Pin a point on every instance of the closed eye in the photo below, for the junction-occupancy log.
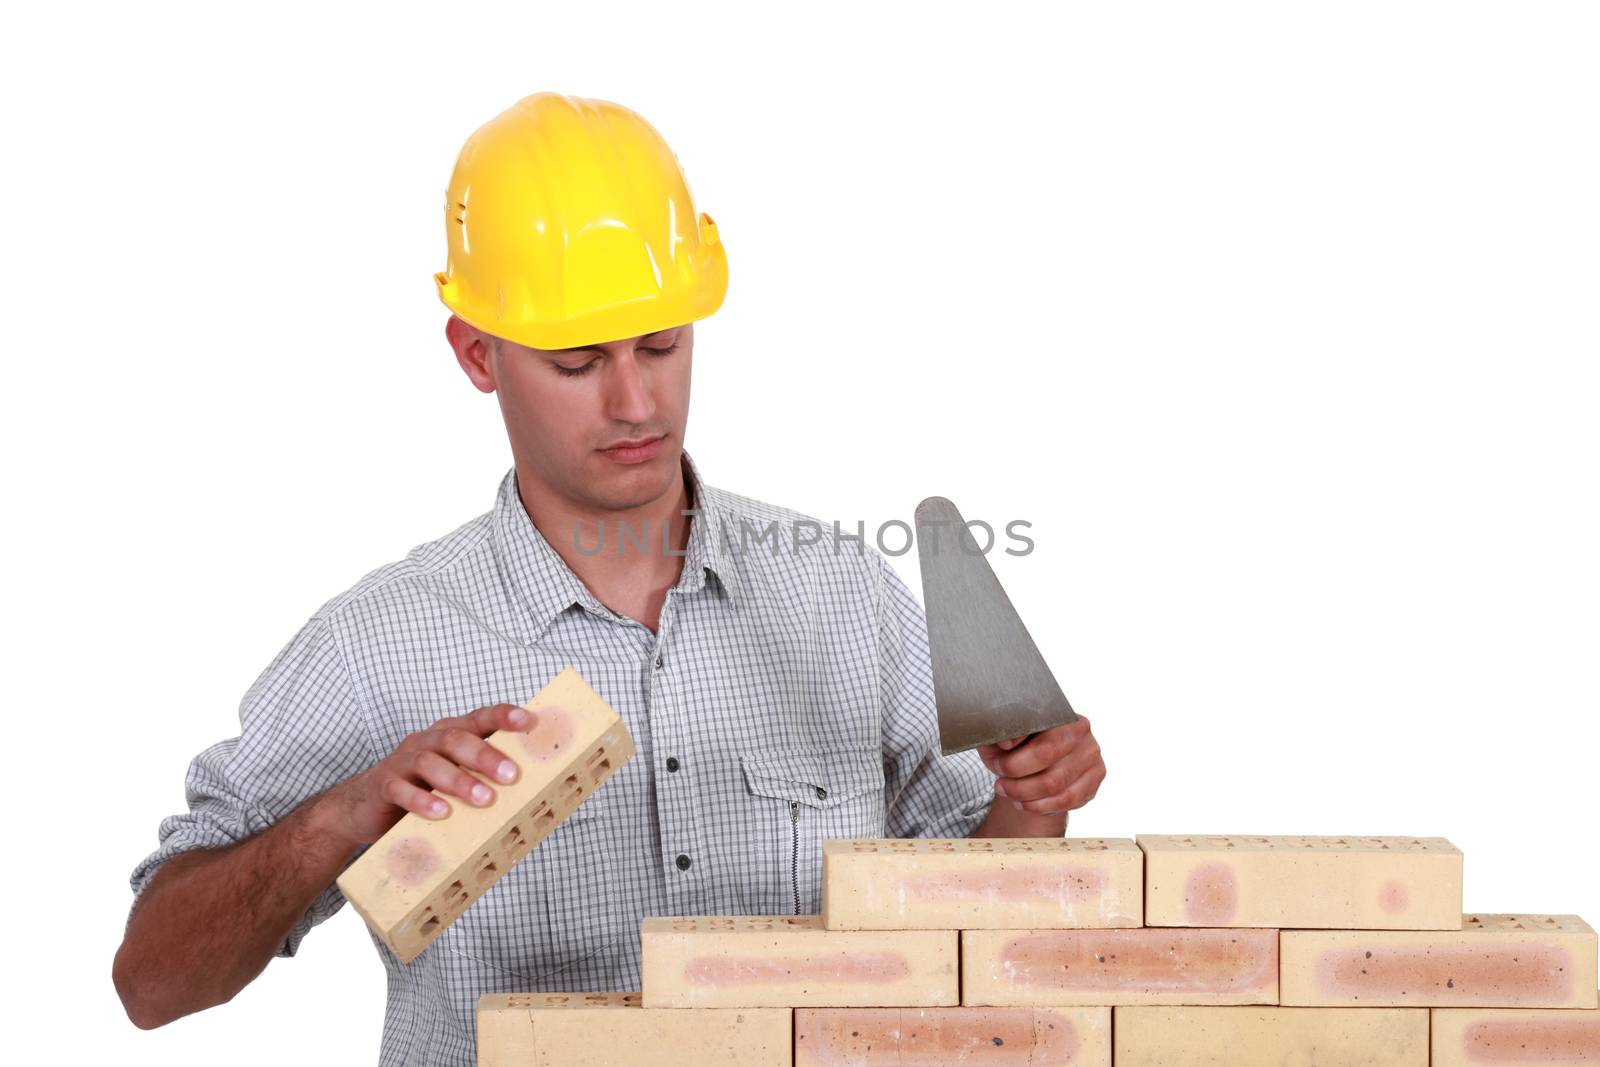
(576, 372)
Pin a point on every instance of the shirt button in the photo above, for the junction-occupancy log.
(822, 794)
(658, 662)
(683, 862)
(672, 763)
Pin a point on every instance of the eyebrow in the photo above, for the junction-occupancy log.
(596, 348)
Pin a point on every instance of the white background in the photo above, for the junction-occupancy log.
(1279, 323)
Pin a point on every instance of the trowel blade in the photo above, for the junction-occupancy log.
(989, 681)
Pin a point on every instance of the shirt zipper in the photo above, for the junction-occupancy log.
(794, 862)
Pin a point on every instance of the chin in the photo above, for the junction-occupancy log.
(644, 480)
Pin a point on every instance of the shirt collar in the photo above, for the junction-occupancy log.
(548, 586)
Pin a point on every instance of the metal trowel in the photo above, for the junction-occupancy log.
(989, 681)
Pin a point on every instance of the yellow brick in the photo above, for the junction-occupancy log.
(613, 1030)
(747, 961)
(1493, 961)
(1515, 1037)
(925, 1037)
(420, 876)
(1145, 966)
(982, 883)
(1270, 1037)
(1341, 883)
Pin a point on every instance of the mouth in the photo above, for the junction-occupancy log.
(635, 451)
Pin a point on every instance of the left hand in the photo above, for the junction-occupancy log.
(1050, 772)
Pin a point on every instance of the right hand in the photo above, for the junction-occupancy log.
(363, 808)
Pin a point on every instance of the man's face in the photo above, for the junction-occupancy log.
(567, 410)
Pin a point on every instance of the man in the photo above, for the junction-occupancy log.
(779, 693)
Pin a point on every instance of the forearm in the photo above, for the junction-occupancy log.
(210, 921)
(1004, 820)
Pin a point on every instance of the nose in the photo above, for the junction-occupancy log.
(627, 391)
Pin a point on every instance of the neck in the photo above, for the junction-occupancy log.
(641, 554)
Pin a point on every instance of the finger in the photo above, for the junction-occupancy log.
(1054, 778)
(1047, 783)
(440, 773)
(990, 754)
(486, 721)
(1079, 793)
(1082, 791)
(468, 750)
(1039, 752)
(1045, 748)
(402, 794)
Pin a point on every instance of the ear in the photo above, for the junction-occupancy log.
(473, 349)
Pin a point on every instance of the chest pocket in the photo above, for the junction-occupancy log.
(802, 797)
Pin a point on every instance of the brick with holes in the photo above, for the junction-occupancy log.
(982, 883)
(1341, 883)
(995, 1037)
(1139, 966)
(1493, 961)
(1270, 1037)
(757, 961)
(614, 1030)
(1515, 1037)
(424, 873)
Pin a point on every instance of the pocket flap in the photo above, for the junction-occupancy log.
(814, 777)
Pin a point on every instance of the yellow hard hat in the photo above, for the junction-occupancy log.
(570, 223)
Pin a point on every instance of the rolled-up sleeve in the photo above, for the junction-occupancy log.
(928, 793)
(301, 730)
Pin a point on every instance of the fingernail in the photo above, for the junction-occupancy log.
(1000, 787)
(518, 717)
(480, 793)
(1017, 804)
(438, 807)
(506, 771)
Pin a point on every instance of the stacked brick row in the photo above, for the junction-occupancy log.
(1171, 951)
